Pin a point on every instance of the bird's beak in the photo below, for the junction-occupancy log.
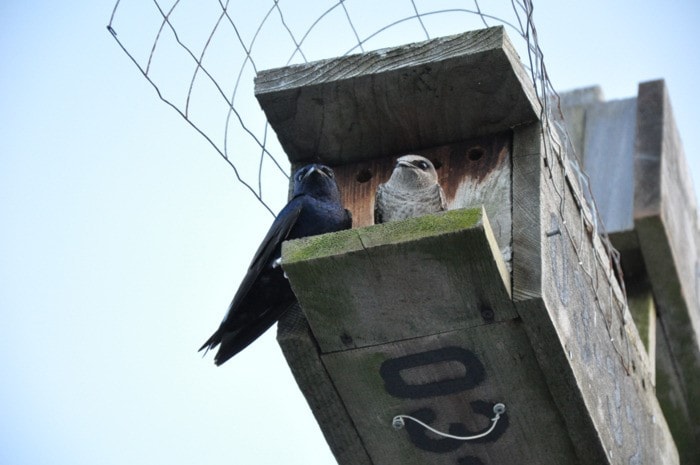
(404, 163)
(311, 170)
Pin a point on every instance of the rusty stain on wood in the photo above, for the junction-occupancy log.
(473, 172)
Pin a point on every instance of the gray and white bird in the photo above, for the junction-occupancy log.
(412, 190)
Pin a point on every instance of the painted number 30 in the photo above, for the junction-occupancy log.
(473, 375)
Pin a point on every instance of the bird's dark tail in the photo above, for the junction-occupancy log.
(211, 343)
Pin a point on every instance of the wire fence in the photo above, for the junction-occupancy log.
(201, 58)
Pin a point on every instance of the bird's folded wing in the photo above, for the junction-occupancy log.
(265, 254)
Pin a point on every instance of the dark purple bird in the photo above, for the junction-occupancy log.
(265, 294)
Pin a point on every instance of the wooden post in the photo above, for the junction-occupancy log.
(509, 297)
(652, 221)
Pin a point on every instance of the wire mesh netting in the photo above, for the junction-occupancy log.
(202, 57)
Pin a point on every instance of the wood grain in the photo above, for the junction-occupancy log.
(387, 282)
(666, 224)
(473, 173)
(585, 343)
(299, 348)
(398, 100)
(511, 376)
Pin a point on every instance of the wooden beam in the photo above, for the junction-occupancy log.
(651, 216)
(301, 351)
(604, 134)
(406, 287)
(666, 223)
(415, 317)
(593, 359)
(396, 100)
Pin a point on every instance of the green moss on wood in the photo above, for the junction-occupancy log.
(422, 226)
(389, 233)
(320, 246)
(641, 307)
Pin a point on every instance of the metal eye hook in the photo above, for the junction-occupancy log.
(499, 409)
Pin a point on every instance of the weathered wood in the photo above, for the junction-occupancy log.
(677, 366)
(573, 105)
(448, 281)
(475, 172)
(415, 296)
(609, 155)
(398, 100)
(643, 310)
(499, 366)
(604, 133)
(655, 230)
(673, 396)
(664, 189)
(300, 349)
(527, 224)
(592, 358)
(337, 278)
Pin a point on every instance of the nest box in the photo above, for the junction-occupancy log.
(445, 316)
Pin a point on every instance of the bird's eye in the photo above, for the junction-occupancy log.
(328, 171)
(300, 174)
(422, 165)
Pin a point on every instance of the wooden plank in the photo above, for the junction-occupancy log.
(603, 133)
(452, 380)
(673, 396)
(573, 105)
(665, 220)
(412, 274)
(527, 174)
(608, 155)
(593, 360)
(641, 305)
(677, 365)
(300, 350)
(398, 100)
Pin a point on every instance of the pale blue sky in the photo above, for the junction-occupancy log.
(124, 235)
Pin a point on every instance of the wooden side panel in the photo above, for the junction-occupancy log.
(591, 355)
(527, 227)
(404, 354)
(452, 381)
(301, 351)
(608, 156)
(666, 223)
(603, 134)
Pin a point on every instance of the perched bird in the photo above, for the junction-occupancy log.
(412, 190)
(264, 294)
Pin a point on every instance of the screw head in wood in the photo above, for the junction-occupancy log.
(487, 314)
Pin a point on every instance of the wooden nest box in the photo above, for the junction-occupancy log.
(505, 298)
